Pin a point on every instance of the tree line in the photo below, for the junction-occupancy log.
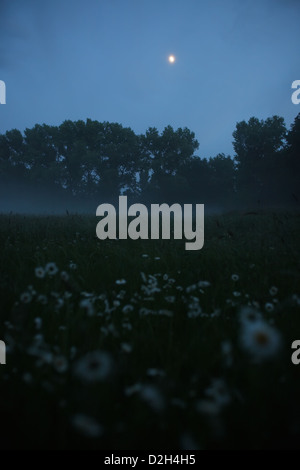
(98, 161)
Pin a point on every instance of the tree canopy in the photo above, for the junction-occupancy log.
(94, 160)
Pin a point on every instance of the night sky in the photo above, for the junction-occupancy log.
(108, 60)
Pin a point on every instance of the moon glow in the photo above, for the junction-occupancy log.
(171, 59)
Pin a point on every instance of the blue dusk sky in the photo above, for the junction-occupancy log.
(108, 60)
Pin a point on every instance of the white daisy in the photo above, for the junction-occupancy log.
(60, 364)
(249, 314)
(260, 340)
(51, 269)
(153, 397)
(120, 282)
(269, 307)
(87, 305)
(126, 347)
(204, 284)
(59, 304)
(226, 349)
(127, 325)
(27, 378)
(170, 298)
(236, 293)
(190, 288)
(218, 392)
(273, 290)
(64, 276)
(39, 272)
(208, 407)
(38, 323)
(235, 277)
(152, 372)
(131, 390)
(42, 299)
(87, 425)
(127, 308)
(26, 297)
(94, 366)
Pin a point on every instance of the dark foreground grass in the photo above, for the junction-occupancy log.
(177, 361)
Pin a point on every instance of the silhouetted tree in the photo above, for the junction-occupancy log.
(256, 145)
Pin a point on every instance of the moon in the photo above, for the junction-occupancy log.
(171, 59)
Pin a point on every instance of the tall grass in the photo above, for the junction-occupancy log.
(173, 366)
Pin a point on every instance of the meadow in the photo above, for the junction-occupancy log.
(123, 344)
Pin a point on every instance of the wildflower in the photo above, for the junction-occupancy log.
(145, 255)
(187, 442)
(296, 299)
(204, 284)
(194, 308)
(26, 297)
(120, 282)
(226, 349)
(64, 276)
(86, 294)
(60, 364)
(51, 269)
(208, 407)
(126, 347)
(132, 389)
(218, 392)
(87, 425)
(153, 397)
(127, 326)
(191, 288)
(249, 314)
(38, 339)
(72, 265)
(38, 323)
(166, 313)
(260, 340)
(178, 402)
(235, 277)
(87, 305)
(42, 299)
(236, 293)
(39, 272)
(269, 307)
(59, 304)
(170, 298)
(94, 366)
(27, 377)
(165, 277)
(157, 258)
(273, 290)
(127, 308)
(73, 351)
(155, 372)
(121, 294)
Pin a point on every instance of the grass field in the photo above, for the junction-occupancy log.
(144, 345)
